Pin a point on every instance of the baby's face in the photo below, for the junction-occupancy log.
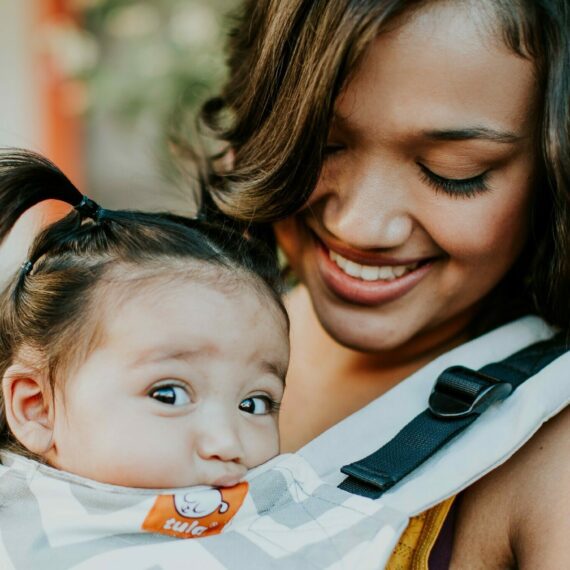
(182, 391)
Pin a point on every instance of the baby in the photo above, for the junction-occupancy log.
(140, 350)
(142, 359)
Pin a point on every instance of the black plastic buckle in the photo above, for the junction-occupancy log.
(377, 479)
(460, 392)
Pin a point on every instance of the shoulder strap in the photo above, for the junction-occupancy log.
(459, 397)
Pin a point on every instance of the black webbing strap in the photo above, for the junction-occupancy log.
(458, 398)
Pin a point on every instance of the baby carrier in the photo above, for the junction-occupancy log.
(300, 511)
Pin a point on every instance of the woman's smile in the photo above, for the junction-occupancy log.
(367, 278)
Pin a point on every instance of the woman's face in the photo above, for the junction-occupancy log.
(424, 198)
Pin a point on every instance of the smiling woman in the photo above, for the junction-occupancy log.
(412, 159)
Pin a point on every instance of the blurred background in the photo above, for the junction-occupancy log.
(98, 85)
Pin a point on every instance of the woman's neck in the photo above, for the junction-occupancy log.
(327, 381)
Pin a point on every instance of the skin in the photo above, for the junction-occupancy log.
(517, 516)
(189, 347)
(439, 94)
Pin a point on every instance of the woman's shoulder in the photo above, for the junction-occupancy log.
(519, 514)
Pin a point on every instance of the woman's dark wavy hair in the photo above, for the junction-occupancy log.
(288, 61)
(48, 307)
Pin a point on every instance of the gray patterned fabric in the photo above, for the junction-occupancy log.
(286, 518)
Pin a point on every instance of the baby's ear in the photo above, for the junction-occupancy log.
(29, 408)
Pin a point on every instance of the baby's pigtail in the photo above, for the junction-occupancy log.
(26, 179)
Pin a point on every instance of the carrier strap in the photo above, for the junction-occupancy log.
(459, 397)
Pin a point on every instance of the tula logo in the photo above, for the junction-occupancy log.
(200, 503)
(195, 513)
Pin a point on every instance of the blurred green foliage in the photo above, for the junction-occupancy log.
(154, 59)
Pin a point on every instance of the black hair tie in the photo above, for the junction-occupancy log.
(26, 268)
(90, 209)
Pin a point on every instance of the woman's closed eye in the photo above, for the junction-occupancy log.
(333, 148)
(259, 405)
(171, 394)
(458, 187)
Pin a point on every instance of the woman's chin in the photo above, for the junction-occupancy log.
(404, 332)
(361, 329)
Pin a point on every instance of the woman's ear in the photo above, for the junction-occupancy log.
(29, 408)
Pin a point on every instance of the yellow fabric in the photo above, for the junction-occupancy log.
(413, 550)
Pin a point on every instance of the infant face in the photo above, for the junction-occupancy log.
(183, 390)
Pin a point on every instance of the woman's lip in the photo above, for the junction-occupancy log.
(364, 257)
(362, 292)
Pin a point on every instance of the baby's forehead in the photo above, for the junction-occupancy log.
(212, 284)
(167, 315)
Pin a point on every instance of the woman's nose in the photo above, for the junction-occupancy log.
(220, 441)
(369, 210)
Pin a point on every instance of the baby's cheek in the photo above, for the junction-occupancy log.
(263, 445)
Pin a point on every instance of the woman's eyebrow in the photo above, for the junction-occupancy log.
(478, 133)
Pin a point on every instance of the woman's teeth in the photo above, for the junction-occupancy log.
(371, 272)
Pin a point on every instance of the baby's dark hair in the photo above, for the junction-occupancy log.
(48, 308)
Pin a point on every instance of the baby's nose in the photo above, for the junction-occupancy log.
(221, 442)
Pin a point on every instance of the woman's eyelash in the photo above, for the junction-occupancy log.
(464, 188)
(332, 148)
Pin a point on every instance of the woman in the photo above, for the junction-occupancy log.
(414, 159)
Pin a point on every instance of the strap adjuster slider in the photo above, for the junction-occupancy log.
(375, 478)
(460, 392)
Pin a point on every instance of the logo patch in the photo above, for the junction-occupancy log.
(194, 514)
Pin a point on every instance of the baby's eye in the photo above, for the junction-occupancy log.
(170, 394)
(258, 405)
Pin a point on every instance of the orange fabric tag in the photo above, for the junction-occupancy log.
(195, 513)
